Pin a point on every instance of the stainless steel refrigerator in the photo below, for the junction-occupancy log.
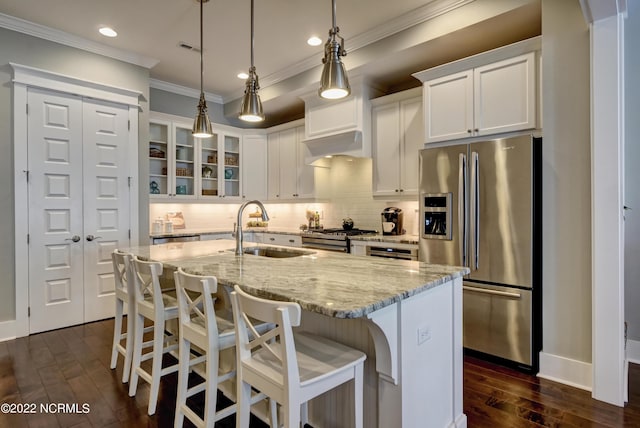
(480, 207)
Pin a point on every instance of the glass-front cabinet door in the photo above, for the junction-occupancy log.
(159, 151)
(184, 186)
(209, 170)
(231, 166)
(184, 167)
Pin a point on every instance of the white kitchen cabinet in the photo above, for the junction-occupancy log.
(289, 178)
(171, 160)
(184, 167)
(254, 167)
(221, 170)
(490, 99)
(398, 134)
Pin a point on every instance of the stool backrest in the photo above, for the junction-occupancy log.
(146, 277)
(283, 316)
(195, 302)
(122, 272)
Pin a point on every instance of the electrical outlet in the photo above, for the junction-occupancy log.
(424, 334)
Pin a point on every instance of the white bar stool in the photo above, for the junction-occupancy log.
(289, 368)
(123, 278)
(153, 305)
(209, 333)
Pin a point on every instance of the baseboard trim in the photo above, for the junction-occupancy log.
(633, 351)
(567, 371)
(7, 330)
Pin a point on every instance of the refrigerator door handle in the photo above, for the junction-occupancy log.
(475, 209)
(492, 292)
(462, 209)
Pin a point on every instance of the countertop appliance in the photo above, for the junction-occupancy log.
(332, 239)
(392, 221)
(480, 206)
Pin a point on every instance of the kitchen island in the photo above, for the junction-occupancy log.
(407, 317)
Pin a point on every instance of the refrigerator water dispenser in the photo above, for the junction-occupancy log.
(436, 215)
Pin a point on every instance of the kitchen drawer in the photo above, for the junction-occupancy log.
(279, 239)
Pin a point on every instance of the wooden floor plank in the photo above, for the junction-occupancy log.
(71, 365)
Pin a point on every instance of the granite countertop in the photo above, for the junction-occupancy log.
(333, 284)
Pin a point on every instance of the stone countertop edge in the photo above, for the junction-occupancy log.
(332, 284)
(401, 239)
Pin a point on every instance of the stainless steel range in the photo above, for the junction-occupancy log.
(332, 239)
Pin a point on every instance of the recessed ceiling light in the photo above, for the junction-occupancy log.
(242, 75)
(108, 32)
(314, 41)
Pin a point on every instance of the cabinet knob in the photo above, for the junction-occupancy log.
(469, 131)
(476, 130)
(401, 190)
(272, 239)
(396, 190)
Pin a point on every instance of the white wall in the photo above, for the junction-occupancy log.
(39, 53)
(344, 189)
(566, 184)
(632, 172)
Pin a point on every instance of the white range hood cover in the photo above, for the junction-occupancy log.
(338, 127)
(348, 144)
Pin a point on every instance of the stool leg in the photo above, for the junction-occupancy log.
(183, 381)
(358, 395)
(129, 343)
(273, 413)
(211, 388)
(156, 367)
(117, 334)
(292, 413)
(243, 404)
(137, 355)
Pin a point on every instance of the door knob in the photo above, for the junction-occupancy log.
(91, 237)
(74, 238)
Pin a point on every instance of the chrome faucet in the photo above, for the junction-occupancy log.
(238, 228)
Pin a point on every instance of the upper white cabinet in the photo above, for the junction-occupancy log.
(490, 93)
(289, 178)
(220, 174)
(184, 167)
(398, 134)
(254, 167)
(171, 160)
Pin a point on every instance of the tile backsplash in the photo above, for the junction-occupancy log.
(343, 190)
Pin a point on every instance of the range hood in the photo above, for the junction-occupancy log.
(338, 127)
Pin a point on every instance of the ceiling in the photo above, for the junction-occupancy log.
(386, 40)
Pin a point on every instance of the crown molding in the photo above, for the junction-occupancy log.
(183, 90)
(410, 19)
(595, 10)
(67, 39)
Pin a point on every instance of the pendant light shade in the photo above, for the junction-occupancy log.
(334, 83)
(202, 124)
(251, 109)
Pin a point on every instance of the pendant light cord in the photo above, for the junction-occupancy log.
(252, 34)
(333, 16)
(201, 51)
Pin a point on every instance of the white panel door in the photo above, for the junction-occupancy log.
(106, 206)
(78, 206)
(55, 211)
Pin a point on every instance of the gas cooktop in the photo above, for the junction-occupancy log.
(341, 231)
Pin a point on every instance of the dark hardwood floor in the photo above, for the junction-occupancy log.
(72, 366)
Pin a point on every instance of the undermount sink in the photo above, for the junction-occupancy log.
(277, 253)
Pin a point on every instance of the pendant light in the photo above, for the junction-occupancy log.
(334, 83)
(202, 124)
(251, 110)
